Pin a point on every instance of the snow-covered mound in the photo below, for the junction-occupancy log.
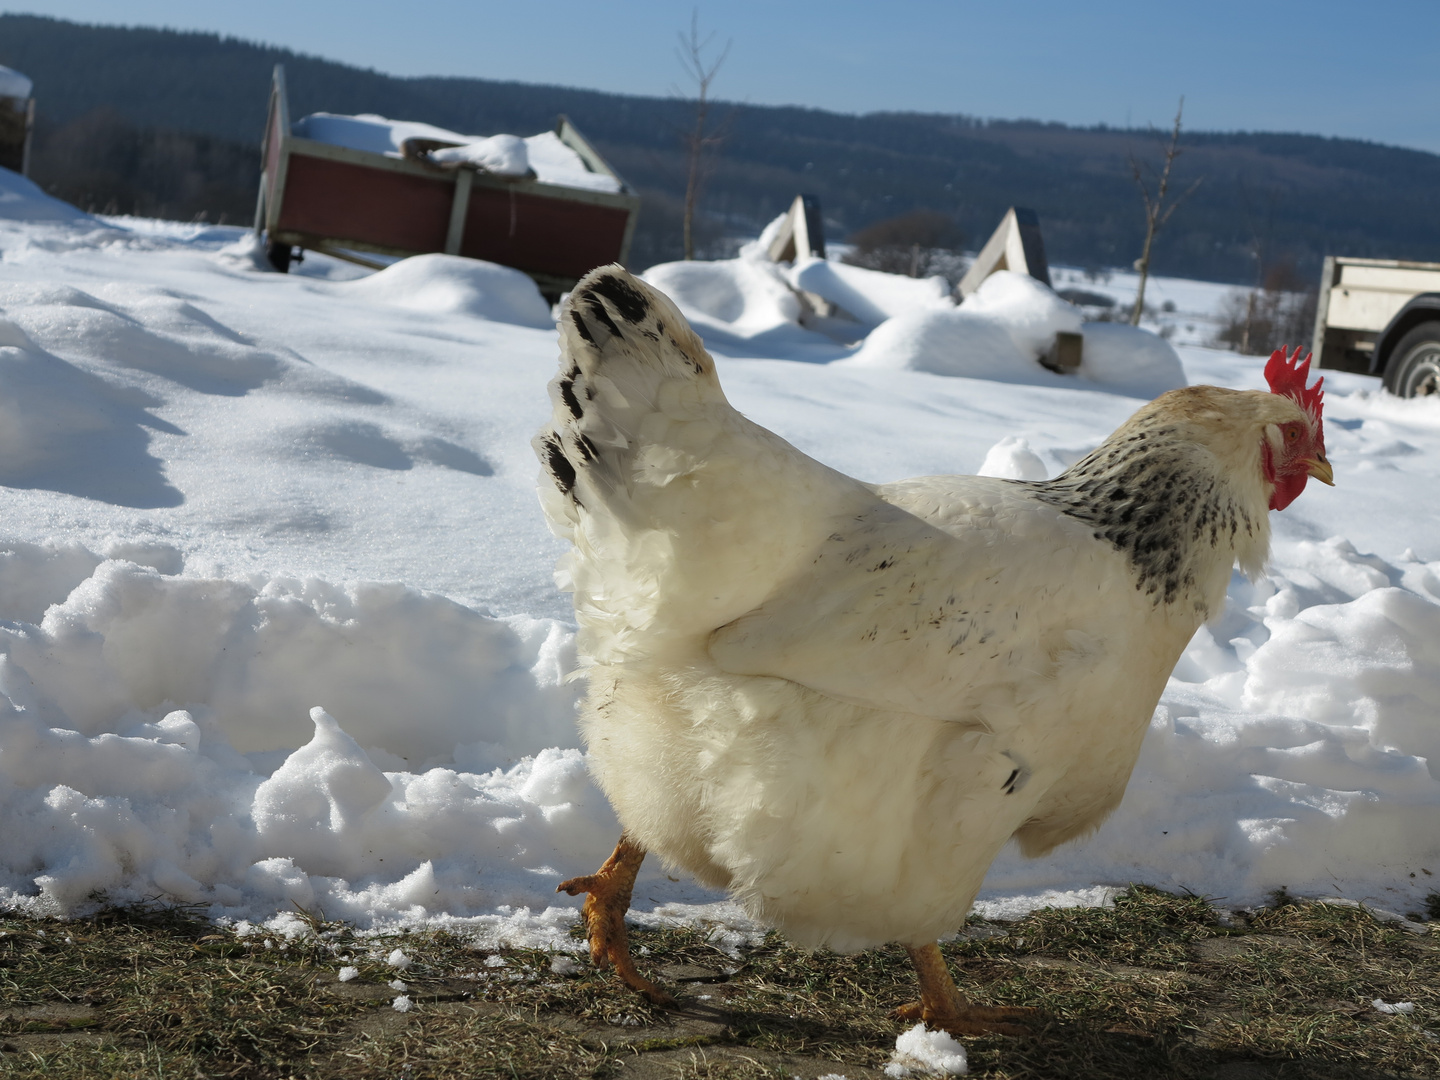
(450, 285)
(278, 623)
(507, 155)
(1130, 359)
(22, 200)
(1028, 309)
(741, 304)
(1003, 329)
(869, 295)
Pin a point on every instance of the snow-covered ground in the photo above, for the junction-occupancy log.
(277, 623)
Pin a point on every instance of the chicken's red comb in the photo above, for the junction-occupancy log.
(1286, 375)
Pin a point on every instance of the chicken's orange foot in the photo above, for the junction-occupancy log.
(941, 1004)
(608, 900)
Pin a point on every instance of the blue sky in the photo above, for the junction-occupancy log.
(1322, 67)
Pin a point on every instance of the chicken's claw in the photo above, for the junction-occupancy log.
(608, 900)
(941, 1004)
(975, 1019)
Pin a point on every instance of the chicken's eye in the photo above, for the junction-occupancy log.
(1291, 433)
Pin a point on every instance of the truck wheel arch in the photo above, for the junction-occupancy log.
(1420, 309)
(1413, 369)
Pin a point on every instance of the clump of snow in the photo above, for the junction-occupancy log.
(921, 1052)
(565, 965)
(503, 155)
(1402, 1008)
(1012, 458)
(347, 973)
(402, 1004)
(508, 155)
(450, 285)
(15, 85)
(398, 985)
(398, 960)
(313, 808)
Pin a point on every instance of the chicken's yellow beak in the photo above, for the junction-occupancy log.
(1320, 469)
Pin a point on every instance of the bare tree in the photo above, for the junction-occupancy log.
(1156, 212)
(697, 141)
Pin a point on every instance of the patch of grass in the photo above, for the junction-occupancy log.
(1156, 986)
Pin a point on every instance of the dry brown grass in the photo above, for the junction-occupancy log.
(1156, 986)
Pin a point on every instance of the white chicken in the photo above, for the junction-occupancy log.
(838, 700)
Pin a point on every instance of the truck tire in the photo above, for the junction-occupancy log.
(1414, 367)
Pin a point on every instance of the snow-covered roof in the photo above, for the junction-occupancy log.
(13, 84)
(505, 155)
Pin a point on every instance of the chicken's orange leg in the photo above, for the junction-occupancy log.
(609, 891)
(941, 1004)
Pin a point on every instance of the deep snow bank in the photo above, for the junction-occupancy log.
(1005, 326)
(129, 698)
(410, 758)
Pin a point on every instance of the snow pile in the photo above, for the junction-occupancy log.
(1130, 359)
(1006, 326)
(145, 723)
(507, 155)
(733, 299)
(921, 1052)
(14, 85)
(1028, 309)
(1295, 744)
(869, 295)
(1012, 458)
(448, 284)
(22, 200)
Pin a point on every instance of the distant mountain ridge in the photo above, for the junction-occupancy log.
(180, 116)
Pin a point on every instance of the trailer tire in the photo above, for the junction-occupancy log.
(278, 255)
(1414, 367)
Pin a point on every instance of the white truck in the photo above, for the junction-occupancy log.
(1381, 317)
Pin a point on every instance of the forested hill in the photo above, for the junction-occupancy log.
(155, 121)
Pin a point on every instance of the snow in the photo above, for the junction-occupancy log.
(1401, 1007)
(278, 625)
(1005, 326)
(921, 1052)
(450, 285)
(505, 155)
(868, 295)
(13, 84)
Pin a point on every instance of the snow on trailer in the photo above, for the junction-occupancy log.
(549, 205)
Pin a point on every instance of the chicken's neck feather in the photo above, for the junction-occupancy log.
(1169, 506)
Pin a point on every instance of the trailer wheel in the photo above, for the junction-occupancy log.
(1414, 367)
(278, 255)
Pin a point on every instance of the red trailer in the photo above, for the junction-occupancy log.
(345, 202)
